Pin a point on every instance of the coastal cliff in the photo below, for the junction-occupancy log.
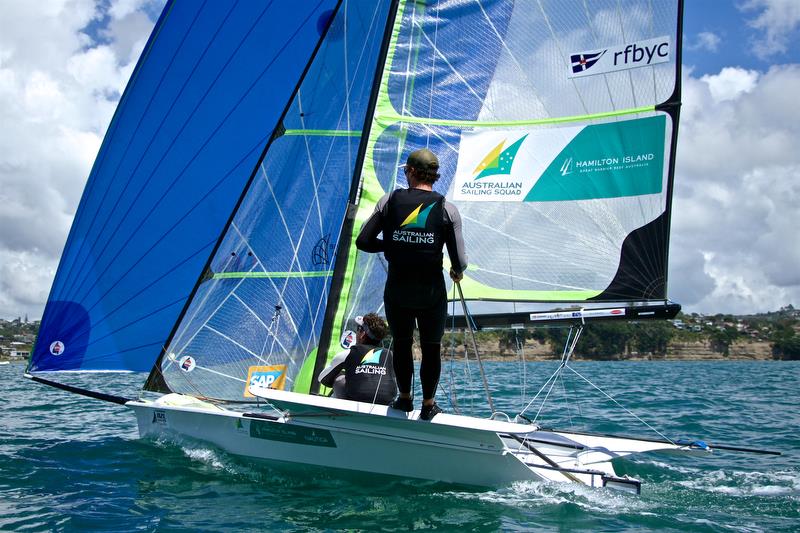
(703, 350)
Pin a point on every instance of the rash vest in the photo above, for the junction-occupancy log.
(413, 230)
(368, 368)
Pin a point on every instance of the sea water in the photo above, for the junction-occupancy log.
(71, 463)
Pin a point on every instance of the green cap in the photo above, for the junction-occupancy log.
(423, 160)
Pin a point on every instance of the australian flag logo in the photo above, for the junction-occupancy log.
(582, 62)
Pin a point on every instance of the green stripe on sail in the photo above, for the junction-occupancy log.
(389, 116)
(240, 275)
(478, 291)
(324, 133)
(302, 383)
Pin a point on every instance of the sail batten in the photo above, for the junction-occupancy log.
(391, 117)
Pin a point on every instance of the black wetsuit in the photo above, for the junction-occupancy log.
(416, 224)
(367, 369)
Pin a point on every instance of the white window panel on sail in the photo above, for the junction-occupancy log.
(272, 338)
(241, 326)
(543, 43)
(504, 93)
(279, 291)
(236, 327)
(295, 262)
(186, 325)
(314, 179)
(374, 303)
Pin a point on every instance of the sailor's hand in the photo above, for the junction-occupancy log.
(456, 276)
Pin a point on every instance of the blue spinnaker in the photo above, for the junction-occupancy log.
(202, 103)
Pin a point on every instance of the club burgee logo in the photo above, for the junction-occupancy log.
(585, 61)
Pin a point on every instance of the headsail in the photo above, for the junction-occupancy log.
(202, 103)
(555, 129)
(258, 311)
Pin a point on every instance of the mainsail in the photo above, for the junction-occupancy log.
(216, 233)
(555, 128)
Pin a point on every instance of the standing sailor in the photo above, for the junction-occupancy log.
(416, 224)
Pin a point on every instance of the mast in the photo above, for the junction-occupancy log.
(346, 233)
(673, 108)
(155, 380)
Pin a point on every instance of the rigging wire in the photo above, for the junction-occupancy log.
(451, 393)
(475, 346)
(620, 405)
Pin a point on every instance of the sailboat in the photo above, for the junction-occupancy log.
(214, 244)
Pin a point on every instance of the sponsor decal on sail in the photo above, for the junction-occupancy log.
(622, 57)
(265, 377)
(348, 339)
(611, 160)
(187, 363)
(57, 348)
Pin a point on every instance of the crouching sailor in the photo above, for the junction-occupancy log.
(364, 372)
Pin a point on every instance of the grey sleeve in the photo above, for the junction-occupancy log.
(368, 240)
(327, 376)
(454, 238)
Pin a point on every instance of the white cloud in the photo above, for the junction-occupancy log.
(705, 40)
(25, 279)
(734, 243)
(778, 19)
(730, 83)
(58, 91)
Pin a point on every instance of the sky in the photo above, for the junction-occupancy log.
(734, 244)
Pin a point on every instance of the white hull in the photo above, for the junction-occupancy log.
(361, 437)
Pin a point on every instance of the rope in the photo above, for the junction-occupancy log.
(620, 405)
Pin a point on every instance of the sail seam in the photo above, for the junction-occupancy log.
(113, 233)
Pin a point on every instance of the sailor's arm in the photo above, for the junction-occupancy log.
(454, 241)
(368, 240)
(329, 374)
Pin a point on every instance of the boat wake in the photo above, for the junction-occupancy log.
(732, 483)
(538, 494)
